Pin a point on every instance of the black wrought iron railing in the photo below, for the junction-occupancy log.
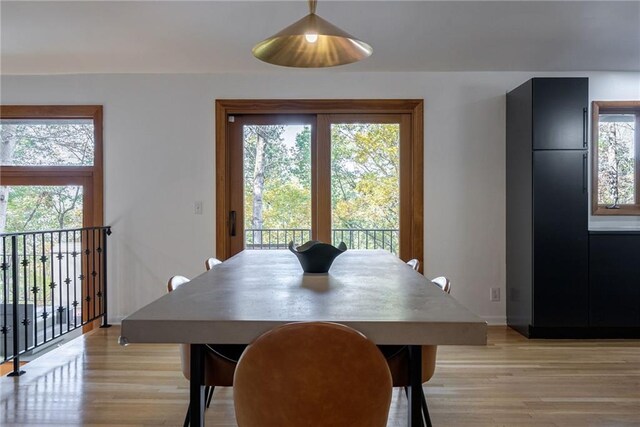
(382, 238)
(52, 282)
(274, 238)
(355, 238)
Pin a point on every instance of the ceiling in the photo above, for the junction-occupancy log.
(56, 37)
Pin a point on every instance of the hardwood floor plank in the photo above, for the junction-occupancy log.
(92, 381)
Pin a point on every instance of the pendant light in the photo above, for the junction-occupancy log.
(311, 42)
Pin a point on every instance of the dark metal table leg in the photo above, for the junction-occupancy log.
(196, 390)
(415, 381)
(425, 408)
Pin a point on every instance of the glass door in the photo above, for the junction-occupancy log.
(344, 185)
(271, 201)
(365, 183)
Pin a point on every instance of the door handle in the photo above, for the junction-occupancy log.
(584, 128)
(232, 223)
(584, 173)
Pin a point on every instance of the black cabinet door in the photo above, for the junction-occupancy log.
(614, 279)
(560, 239)
(560, 113)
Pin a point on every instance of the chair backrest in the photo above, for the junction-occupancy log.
(312, 374)
(218, 371)
(211, 262)
(414, 263)
(176, 281)
(444, 283)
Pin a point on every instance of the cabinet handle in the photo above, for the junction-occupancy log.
(584, 128)
(232, 223)
(584, 173)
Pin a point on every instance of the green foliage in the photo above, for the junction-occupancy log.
(301, 166)
(365, 175)
(288, 206)
(38, 143)
(286, 197)
(43, 208)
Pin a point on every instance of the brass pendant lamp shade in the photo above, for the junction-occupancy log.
(311, 42)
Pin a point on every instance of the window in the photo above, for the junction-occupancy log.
(279, 168)
(50, 167)
(616, 158)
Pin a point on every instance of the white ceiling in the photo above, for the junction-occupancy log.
(217, 36)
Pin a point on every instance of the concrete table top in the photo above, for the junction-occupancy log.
(373, 292)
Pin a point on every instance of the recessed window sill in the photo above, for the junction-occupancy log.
(622, 210)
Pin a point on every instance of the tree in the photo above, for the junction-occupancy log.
(36, 144)
(301, 166)
(44, 208)
(364, 179)
(9, 139)
(365, 175)
(265, 155)
(616, 162)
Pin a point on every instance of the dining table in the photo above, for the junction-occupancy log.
(372, 291)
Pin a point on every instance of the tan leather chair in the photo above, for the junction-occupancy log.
(218, 370)
(399, 362)
(211, 262)
(312, 374)
(414, 263)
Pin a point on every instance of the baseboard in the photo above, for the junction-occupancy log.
(495, 320)
(572, 332)
(592, 332)
(115, 320)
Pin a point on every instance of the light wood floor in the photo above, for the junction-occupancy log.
(510, 382)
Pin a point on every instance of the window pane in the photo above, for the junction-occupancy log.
(616, 159)
(46, 142)
(365, 185)
(40, 207)
(277, 185)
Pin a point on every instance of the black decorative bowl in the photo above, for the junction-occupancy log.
(315, 256)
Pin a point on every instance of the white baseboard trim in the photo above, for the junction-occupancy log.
(495, 320)
(115, 320)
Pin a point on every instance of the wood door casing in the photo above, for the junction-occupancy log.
(408, 112)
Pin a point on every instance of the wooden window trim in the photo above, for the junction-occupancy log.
(90, 177)
(413, 107)
(55, 175)
(598, 209)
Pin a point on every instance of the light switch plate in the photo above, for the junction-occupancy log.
(494, 296)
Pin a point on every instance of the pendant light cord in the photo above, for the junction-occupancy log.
(312, 6)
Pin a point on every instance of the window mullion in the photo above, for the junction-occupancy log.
(322, 174)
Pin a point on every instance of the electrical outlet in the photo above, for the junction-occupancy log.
(197, 207)
(494, 295)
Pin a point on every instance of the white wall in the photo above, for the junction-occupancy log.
(159, 159)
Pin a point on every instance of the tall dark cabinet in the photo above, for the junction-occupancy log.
(547, 206)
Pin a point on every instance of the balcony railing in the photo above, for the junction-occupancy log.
(354, 238)
(52, 282)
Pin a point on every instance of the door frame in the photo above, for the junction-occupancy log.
(414, 108)
(89, 177)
